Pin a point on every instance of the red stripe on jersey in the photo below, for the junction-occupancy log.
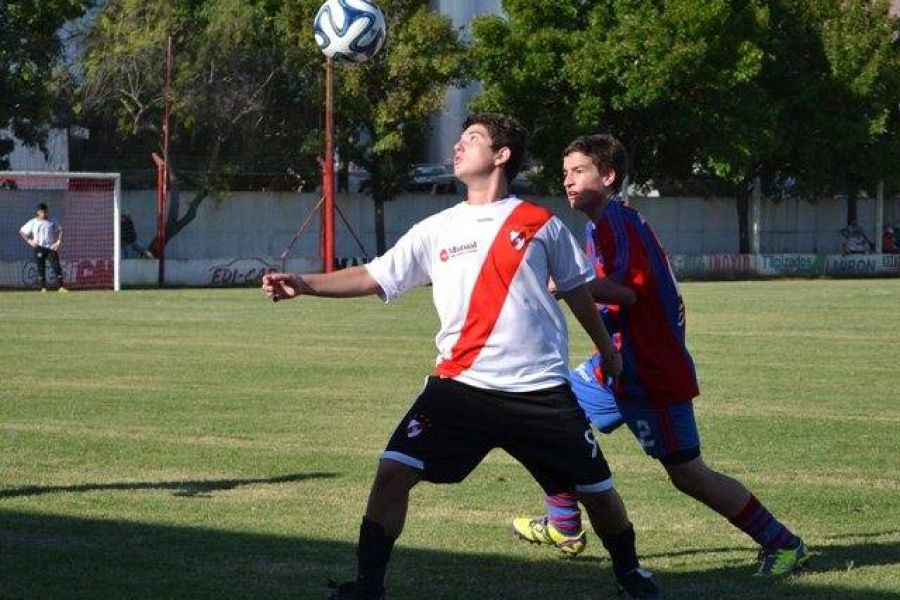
(669, 439)
(492, 286)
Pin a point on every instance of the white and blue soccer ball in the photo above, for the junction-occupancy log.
(350, 29)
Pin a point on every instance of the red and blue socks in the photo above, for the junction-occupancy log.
(767, 531)
(563, 513)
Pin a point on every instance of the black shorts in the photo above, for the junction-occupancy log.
(452, 426)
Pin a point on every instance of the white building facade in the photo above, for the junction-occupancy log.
(446, 126)
(31, 158)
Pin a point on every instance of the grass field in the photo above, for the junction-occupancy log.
(207, 444)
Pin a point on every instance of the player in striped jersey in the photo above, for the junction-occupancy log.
(658, 383)
(500, 379)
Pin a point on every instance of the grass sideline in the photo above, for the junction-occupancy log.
(207, 444)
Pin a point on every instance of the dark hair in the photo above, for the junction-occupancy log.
(42, 206)
(607, 153)
(505, 132)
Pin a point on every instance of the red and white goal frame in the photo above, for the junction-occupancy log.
(87, 208)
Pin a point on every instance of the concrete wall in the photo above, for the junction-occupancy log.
(262, 223)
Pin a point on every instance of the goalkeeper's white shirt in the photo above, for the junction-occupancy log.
(43, 231)
(489, 266)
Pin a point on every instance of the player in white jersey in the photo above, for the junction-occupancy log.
(44, 235)
(501, 376)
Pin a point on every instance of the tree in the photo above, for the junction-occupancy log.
(719, 90)
(249, 89)
(239, 100)
(383, 105)
(30, 73)
(837, 85)
(660, 76)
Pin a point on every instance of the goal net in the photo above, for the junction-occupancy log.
(86, 207)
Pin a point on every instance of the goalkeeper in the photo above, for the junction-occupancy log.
(44, 235)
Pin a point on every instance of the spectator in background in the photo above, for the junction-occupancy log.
(855, 239)
(889, 241)
(128, 235)
(44, 235)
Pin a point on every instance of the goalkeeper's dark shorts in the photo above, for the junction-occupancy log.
(452, 426)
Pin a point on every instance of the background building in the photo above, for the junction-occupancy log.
(446, 126)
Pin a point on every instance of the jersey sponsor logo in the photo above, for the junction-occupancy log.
(454, 251)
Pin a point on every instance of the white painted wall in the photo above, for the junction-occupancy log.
(262, 223)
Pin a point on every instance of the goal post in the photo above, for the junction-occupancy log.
(87, 208)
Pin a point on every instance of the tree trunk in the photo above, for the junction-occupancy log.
(742, 204)
(343, 176)
(380, 245)
(174, 224)
(852, 214)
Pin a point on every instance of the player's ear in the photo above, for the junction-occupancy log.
(502, 156)
(608, 178)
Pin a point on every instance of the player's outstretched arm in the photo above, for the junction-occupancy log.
(582, 306)
(606, 291)
(346, 283)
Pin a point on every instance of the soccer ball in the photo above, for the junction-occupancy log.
(350, 29)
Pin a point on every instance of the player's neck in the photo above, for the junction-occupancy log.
(596, 211)
(485, 190)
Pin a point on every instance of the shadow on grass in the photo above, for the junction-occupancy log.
(55, 557)
(201, 488)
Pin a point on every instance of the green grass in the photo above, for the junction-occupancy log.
(207, 444)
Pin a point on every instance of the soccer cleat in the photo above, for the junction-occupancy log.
(538, 530)
(350, 590)
(63, 290)
(43, 290)
(638, 584)
(782, 561)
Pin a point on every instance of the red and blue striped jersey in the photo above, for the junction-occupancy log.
(657, 367)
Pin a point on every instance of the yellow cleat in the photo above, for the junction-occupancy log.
(43, 290)
(538, 530)
(782, 561)
(63, 290)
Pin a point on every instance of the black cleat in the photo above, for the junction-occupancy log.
(350, 590)
(638, 584)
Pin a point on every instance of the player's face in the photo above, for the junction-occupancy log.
(585, 186)
(41, 213)
(472, 154)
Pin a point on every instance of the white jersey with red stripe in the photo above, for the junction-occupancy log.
(489, 266)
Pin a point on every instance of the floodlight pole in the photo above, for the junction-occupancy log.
(328, 172)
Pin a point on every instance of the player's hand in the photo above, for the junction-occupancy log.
(32, 243)
(612, 364)
(280, 286)
(54, 246)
